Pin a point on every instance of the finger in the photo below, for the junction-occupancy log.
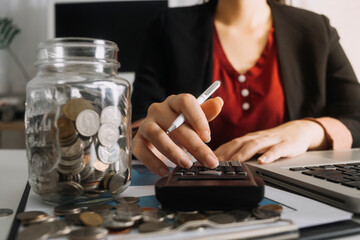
(195, 117)
(191, 142)
(212, 107)
(153, 133)
(226, 150)
(142, 151)
(277, 151)
(253, 146)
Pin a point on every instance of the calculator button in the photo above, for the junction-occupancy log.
(179, 174)
(242, 173)
(190, 173)
(210, 172)
(230, 173)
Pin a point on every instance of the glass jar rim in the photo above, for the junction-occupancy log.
(77, 41)
(77, 50)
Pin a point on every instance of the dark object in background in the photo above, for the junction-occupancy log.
(123, 22)
(12, 108)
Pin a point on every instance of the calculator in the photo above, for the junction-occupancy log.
(229, 186)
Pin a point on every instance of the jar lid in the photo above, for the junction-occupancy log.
(69, 50)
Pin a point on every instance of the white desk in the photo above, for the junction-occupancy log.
(13, 178)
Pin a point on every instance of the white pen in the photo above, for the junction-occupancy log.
(205, 95)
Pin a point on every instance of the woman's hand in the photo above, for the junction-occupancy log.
(153, 146)
(287, 140)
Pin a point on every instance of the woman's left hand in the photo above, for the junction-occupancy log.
(287, 140)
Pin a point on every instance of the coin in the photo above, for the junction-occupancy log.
(44, 230)
(121, 231)
(73, 150)
(110, 154)
(87, 123)
(69, 189)
(154, 227)
(275, 207)
(66, 129)
(100, 166)
(127, 200)
(75, 106)
(264, 213)
(31, 217)
(88, 233)
(111, 114)
(116, 184)
(183, 218)
(240, 215)
(91, 219)
(155, 215)
(108, 134)
(117, 225)
(67, 209)
(221, 218)
(5, 212)
(73, 219)
(107, 179)
(127, 211)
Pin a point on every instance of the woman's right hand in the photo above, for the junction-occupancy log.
(153, 146)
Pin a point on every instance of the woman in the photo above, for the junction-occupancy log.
(287, 86)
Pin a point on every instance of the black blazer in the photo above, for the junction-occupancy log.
(317, 77)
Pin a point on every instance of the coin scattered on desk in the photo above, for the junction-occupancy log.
(94, 221)
(274, 207)
(5, 212)
(91, 219)
(31, 217)
(88, 233)
(261, 213)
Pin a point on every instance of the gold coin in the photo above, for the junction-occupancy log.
(107, 179)
(273, 207)
(75, 106)
(91, 219)
(66, 129)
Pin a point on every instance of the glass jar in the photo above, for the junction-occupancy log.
(77, 119)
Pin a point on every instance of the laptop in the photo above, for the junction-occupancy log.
(332, 177)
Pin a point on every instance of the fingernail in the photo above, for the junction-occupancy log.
(206, 136)
(212, 162)
(185, 162)
(163, 172)
(263, 159)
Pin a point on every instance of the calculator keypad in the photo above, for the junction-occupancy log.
(225, 171)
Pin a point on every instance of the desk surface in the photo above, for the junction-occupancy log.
(13, 178)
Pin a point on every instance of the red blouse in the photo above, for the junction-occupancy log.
(253, 100)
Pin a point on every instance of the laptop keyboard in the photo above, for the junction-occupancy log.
(345, 174)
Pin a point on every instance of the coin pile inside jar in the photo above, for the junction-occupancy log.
(94, 159)
(99, 220)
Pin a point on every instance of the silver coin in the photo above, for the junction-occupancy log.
(69, 189)
(67, 209)
(31, 217)
(87, 123)
(127, 200)
(45, 230)
(222, 218)
(117, 225)
(264, 213)
(75, 161)
(5, 212)
(154, 227)
(184, 218)
(73, 150)
(84, 233)
(110, 154)
(127, 212)
(154, 215)
(116, 184)
(108, 134)
(111, 114)
(240, 215)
